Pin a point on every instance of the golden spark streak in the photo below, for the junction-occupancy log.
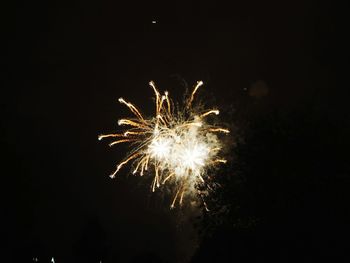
(161, 103)
(100, 137)
(219, 161)
(146, 162)
(161, 118)
(129, 122)
(216, 112)
(155, 180)
(123, 163)
(132, 108)
(199, 83)
(168, 103)
(142, 168)
(138, 164)
(182, 195)
(120, 141)
(132, 133)
(219, 130)
(174, 200)
(151, 83)
(168, 177)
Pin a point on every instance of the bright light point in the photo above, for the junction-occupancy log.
(160, 148)
(52, 260)
(195, 157)
(154, 22)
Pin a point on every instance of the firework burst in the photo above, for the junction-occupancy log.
(177, 144)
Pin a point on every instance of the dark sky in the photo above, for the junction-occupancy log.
(68, 63)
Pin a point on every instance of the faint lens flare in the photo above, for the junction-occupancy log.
(178, 144)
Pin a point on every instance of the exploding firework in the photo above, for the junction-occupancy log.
(177, 143)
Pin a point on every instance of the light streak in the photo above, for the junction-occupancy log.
(179, 144)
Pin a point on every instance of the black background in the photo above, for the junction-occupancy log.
(277, 69)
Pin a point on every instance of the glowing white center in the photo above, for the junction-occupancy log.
(194, 157)
(160, 148)
(183, 149)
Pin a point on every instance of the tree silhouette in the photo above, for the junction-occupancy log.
(284, 196)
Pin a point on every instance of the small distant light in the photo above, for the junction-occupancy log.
(52, 260)
(35, 259)
(154, 22)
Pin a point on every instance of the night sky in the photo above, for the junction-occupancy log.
(274, 69)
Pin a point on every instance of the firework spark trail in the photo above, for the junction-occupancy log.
(178, 143)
